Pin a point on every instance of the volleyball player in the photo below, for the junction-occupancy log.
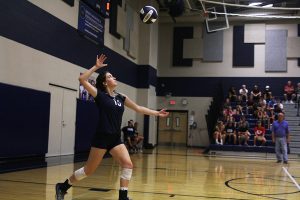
(108, 134)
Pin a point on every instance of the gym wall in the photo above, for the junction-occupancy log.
(41, 51)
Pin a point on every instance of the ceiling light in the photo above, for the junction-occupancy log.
(255, 4)
(269, 5)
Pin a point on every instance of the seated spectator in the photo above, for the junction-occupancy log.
(259, 132)
(297, 92)
(138, 138)
(289, 92)
(271, 103)
(129, 136)
(258, 113)
(250, 106)
(232, 94)
(262, 103)
(265, 119)
(271, 116)
(228, 112)
(267, 94)
(278, 108)
(244, 93)
(230, 136)
(219, 133)
(227, 103)
(243, 131)
(256, 93)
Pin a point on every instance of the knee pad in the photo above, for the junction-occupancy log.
(126, 174)
(80, 174)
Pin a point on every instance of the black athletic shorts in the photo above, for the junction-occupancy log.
(106, 141)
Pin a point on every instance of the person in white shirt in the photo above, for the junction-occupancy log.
(244, 93)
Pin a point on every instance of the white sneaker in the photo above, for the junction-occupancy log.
(291, 102)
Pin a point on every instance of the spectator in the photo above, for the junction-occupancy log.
(230, 133)
(227, 103)
(244, 93)
(278, 108)
(297, 92)
(271, 103)
(289, 92)
(281, 137)
(243, 131)
(138, 138)
(129, 136)
(256, 93)
(228, 112)
(250, 106)
(219, 133)
(267, 94)
(259, 132)
(232, 94)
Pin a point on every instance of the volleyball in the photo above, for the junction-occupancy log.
(148, 14)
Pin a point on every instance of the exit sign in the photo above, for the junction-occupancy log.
(172, 102)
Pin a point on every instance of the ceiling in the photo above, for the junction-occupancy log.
(193, 10)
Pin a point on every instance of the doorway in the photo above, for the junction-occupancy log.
(62, 121)
(173, 130)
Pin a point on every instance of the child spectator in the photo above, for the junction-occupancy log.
(219, 133)
(259, 132)
(230, 133)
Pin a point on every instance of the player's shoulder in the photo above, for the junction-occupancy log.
(121, 96)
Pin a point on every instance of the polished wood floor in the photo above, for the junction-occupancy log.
(164, 173)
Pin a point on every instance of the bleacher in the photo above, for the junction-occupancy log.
(291, 116)
(268, 147)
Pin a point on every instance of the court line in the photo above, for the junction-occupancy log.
(261, 195)
(290, 176)
(136, 191)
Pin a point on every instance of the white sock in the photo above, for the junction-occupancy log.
(123, 188)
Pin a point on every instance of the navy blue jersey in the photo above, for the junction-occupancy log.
(128, 131)
(110, 110)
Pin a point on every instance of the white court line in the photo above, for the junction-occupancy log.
(289, 175)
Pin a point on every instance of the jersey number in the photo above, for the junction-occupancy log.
(117, 102)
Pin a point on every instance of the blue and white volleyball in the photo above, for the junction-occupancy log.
(148, 14)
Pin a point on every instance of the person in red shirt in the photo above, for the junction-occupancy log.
(289, 92)
(259, 132)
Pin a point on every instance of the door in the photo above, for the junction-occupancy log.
(172, 130)
(62, 121)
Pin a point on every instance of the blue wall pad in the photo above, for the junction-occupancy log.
(86, 124)
(299, 36)
(213, 46)
(207, 86)
(179, 34)
(243, 53)
(275, 53)
(40, 30)
(24, 117)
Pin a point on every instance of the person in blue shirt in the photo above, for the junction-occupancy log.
(281, 137)
(107, 136)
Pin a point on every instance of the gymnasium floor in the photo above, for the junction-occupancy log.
(159, 174)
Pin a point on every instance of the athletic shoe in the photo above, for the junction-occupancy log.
(60, 194)
(285, 162)
(278, 161)
(123, 195)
